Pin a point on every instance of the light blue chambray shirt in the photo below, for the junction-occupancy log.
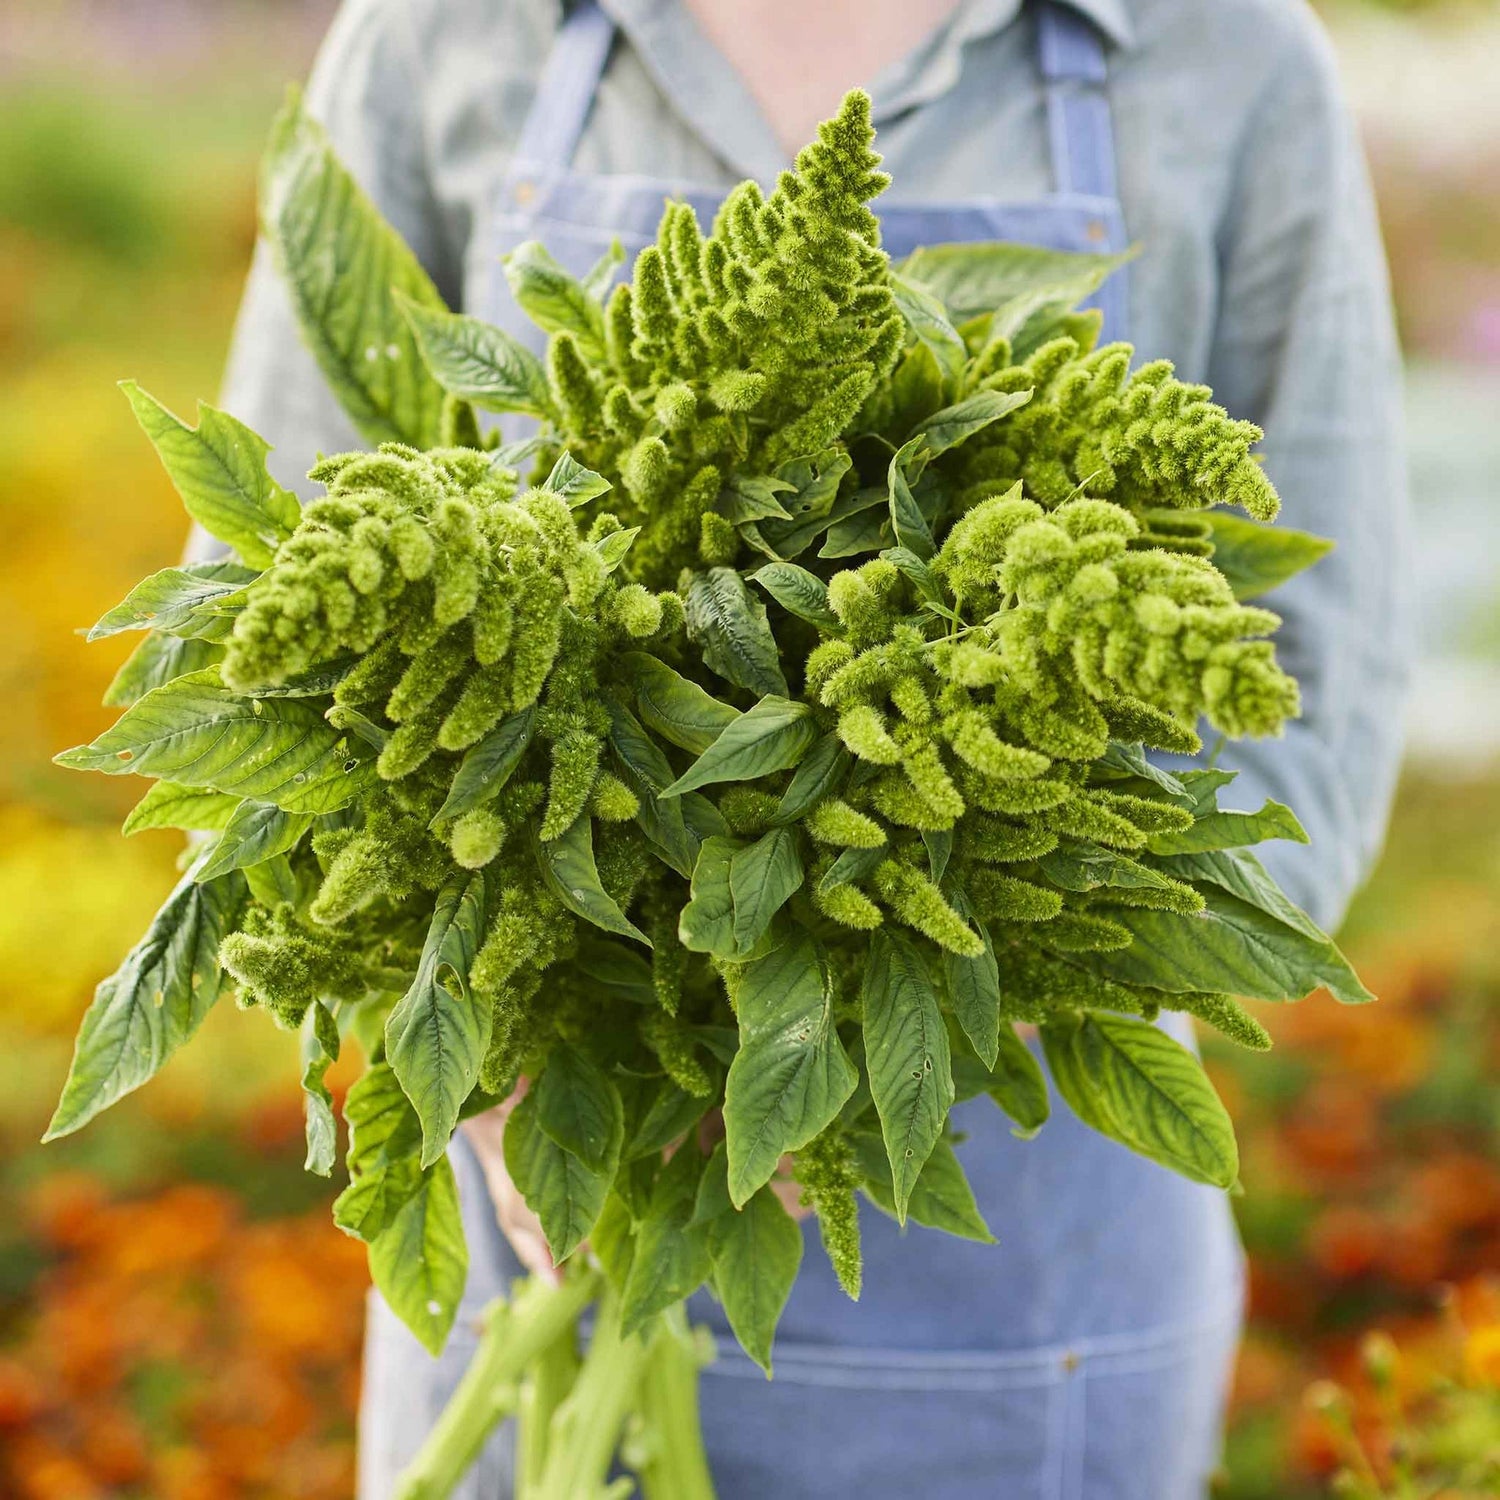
(1260, 272)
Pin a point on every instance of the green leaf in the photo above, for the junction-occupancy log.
(179, 601)
(219, 469)
(1130, 1080)
(957, 424)
(928, 320)
(772, 736)
(677, 709)
(320, 1050)
(598, 280)
(315, 682)
(420, 1262)
(762, 879)
(1230, 946)
(520, 457)
(973, 986)
(613, 1241)
(667, 1118)
(907, 520)
(579, 1109)
(906, 1055)
(612, 549)
(646, 771)
(863, 530)
(814, 479)
(728, 625)
(921, 575)
(385, 1143)
(157, 660)
(488, 765)
(707, 921)
(1200, 790)
(941, 1198)
(939, 845)
(1015, 1083)
(273, 882)
(167, 805)
(811, 501)
(555, 301)
(791, 1074)
(1221, 829)
(152, 1003)
(342, 265)
(703, 819)
(797, 591)
(574, 483)
(1240, 873)
(918, 387)
(1017, 1086)
(255, 832)
(435, 1038)
(567, 865)
(752, 497)
(818, 775)
(756, 1254)
(1130, 760)
(197, 732)
(1256, 558)
(616, 967)
(974, 278)
(1087, 867)
(852, 865)
(559, 1188)
(478, 362)
(671, 1259)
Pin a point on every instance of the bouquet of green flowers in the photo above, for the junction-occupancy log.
(738, 760)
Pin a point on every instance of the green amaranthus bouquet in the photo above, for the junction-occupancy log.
(759, 742)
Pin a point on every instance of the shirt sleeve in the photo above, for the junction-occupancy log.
(1305, 346)
(365, 89)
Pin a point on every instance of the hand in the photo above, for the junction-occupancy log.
(486, 1134)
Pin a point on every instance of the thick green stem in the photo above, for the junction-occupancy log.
(515, 1334)
(668, 1446)
(542, 1392)
(586, 1427)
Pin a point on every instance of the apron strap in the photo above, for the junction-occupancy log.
(565, 90)
(1073, 68)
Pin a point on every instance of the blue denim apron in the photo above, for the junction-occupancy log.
(1083, 1357)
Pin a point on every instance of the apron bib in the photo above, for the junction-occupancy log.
(1083, 1357)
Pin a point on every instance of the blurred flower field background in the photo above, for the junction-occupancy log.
(179, 1319)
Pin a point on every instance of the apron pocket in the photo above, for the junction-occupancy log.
(871, 1425)
(1128, 1417)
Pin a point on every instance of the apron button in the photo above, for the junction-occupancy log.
(1097, 231)
(524, 191)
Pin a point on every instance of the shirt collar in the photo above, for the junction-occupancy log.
(1110, 16)
(708, 93)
